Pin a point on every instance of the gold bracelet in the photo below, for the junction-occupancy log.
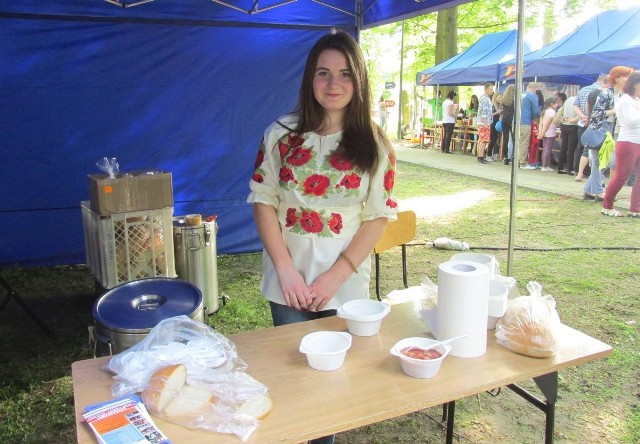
(348, 259)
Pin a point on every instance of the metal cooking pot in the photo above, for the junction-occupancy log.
(196, 258)
(125, 315)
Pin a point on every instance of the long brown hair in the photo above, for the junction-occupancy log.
(630, 84)
(360, 134)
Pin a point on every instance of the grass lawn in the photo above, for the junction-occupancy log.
(588, 262)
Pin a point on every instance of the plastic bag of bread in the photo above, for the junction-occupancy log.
(191, 375)
(530, 325)
(234, 406)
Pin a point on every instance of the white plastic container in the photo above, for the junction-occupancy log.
(364, 316)
(498, 298)
(326, 350)
(420, 368)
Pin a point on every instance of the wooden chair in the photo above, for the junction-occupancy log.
(397, 233)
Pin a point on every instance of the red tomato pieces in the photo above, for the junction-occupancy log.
(418, 353)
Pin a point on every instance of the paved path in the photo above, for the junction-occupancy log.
(534, 179)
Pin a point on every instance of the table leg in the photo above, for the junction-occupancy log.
(548, 385)
(451, 410)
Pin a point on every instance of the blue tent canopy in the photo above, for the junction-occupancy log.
(186, 86)
(608, 39)
(479, 63)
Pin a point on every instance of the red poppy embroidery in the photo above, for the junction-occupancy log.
(286, 175)
(299, 156)
(258, 178)
(290, 144)
(350, 181)
(391, 203)
(389, 178)
(292, 218)
(340, 162)
(259, 159)
(311, 222)
(335, 223)
(316, 184)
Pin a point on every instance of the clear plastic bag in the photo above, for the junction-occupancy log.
(531, 324)
(109, 166)
(215, 384)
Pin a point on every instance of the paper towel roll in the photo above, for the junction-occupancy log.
(463, 292)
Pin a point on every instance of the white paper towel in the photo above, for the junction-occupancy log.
(463, 292)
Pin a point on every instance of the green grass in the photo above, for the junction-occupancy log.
(595, 288)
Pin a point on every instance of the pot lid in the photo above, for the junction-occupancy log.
(143, 303)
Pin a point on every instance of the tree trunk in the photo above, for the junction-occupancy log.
(446, 37)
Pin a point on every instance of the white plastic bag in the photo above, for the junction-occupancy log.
(531, 324)
(212, 365)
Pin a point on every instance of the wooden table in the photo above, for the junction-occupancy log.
(369, 388)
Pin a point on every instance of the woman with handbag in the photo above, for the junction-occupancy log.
(602, 120)
(627, 148)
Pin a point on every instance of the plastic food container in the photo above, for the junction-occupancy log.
(326, 350)
(498, 294)
(364, 316)
(420, 368)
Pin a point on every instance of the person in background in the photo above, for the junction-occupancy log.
(382, 112)
(603, 118)
(569, 132)
(627, 110)
(485, 119)
(494, 147)
(547, 132)
(582, 110)
(529, 113)
(508, 110)
(541, 100)
(322, 189)
(472, 111)
(449, 115)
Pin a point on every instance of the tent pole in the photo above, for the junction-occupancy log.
(400, 104)
(516, 136)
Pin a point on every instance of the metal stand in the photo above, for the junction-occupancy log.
(11, 294)
(548, 385)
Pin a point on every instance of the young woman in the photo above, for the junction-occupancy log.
(322, 188)
(450, 111)
(508, 111)
(547, 132)
(627, 110)
(602, 117)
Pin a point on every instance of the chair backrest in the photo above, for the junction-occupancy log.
(398, 232)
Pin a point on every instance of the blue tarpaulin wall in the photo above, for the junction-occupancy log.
(186, 86)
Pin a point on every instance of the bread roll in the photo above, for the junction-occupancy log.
(163, 386)
(191, 400)
(257, 407)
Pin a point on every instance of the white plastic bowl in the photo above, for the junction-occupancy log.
(364, 316)
(420, 368)
(326, 350)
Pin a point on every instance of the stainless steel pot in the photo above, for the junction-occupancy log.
(125, 315)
